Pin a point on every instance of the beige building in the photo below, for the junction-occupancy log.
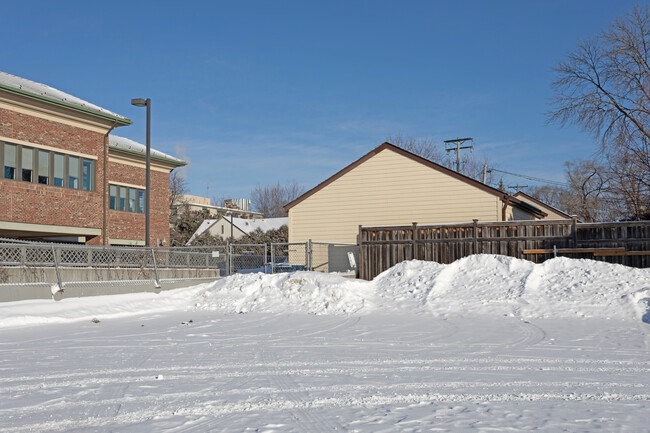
(235, 207)
(391, 186)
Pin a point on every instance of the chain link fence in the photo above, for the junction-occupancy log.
(248, 258)
(31, 270)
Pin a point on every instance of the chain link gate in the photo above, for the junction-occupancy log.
(248, 258)
(290, 257)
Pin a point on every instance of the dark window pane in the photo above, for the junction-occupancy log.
(73, 172)
(43, 167)
(122, 198)
(10, 161)
(141, 201)
(87, 173)
(28, 164)
(112, 202)
(132, 200)
(59, 168)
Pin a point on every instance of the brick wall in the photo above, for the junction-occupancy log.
(130, 225)
(44, 204)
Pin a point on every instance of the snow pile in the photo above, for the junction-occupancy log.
(488, 284)
(476, 285)
(296, 292)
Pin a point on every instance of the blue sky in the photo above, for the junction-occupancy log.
(254, 93)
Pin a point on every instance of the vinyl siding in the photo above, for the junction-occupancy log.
(388, 189)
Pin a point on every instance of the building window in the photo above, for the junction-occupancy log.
(112, 201)
(27, 164)
(43, 167)
(132, 199)
(126, 198)
(88, 174)
(59, 169)
(122, 198)
(140, 201)
(10, 161)
(73, 172)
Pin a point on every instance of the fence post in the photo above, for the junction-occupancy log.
(56, 267)
(361, 263)
(272, 258)
(266, 251)
(309, 251)
(415, 240)
(229, 258)
(574, 229)
(155, 269)
(475, 235)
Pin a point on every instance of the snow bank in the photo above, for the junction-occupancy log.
(489, 284)
(475, 285)
(296, 292)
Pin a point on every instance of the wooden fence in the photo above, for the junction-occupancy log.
(627, 243)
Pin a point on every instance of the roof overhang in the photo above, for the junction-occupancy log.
(119, 121)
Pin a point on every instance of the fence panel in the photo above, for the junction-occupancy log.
(290, 257)
(382, 247)
(248, 258)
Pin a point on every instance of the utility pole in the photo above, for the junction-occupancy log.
(518, 187)
(451, 145)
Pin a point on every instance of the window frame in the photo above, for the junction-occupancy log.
(70, 161)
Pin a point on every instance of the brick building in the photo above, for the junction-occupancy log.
(65, 177)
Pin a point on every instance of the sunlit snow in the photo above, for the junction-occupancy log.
(488, 343)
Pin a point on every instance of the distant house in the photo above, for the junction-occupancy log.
(65, 177)
(235, 207)
(228, 226)
(391, 186)
(552, 212)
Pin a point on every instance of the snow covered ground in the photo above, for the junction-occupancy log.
(487, 343)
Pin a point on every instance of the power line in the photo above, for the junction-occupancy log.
(552, 182)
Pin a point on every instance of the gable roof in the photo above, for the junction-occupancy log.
(388, 146)
(242, 224)
(43, 92)
(541, 204)
(264, 224)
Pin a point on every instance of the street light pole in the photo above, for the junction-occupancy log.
(139, 102)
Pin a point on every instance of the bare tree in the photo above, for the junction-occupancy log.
(177, 187)
(270, 199)
(427, 148)
(604, 87)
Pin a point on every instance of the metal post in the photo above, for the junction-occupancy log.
(309, 256)
(155, 268)
(56, 267)
(266, 251)
(475, 235)
(272, 259)
(147, 210)
(229, 267)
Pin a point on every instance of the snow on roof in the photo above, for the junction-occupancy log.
(133, 146)
(264, 224)
(245, 225)
(40, 89)
(203, 227)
